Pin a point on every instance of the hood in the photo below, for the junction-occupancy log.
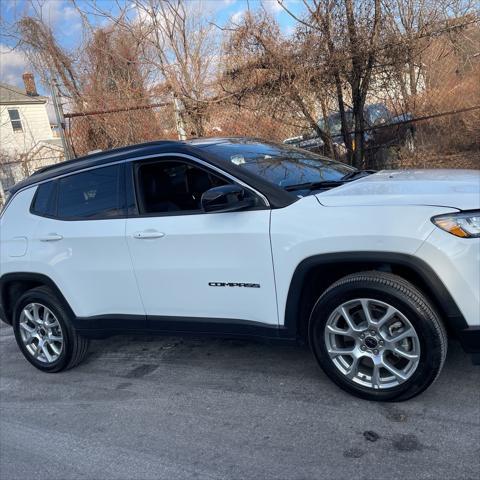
(447, 188)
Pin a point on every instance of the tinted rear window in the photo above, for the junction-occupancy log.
(44, 200)
(94, 194)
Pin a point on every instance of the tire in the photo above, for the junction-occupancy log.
(50, 320)
(402, 351)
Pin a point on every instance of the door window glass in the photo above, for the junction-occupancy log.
(93, 194)
(173, 186)
(44, 200)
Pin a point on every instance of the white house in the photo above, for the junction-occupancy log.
(27, 141)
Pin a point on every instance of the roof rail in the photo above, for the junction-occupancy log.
(102, 153)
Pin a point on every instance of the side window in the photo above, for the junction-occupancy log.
(173, 186)
(15, 120)
(43, 203)
(94, 194)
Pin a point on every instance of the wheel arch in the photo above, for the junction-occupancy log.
(316, 273)
(14, 285)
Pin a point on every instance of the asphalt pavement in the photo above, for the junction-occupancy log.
(196, 408)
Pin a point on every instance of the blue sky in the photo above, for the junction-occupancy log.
(66, 23)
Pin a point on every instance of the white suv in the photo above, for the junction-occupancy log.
(247, 238)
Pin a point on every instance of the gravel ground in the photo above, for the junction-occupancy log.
(173, 408)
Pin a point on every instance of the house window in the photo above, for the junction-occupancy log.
(15, 120)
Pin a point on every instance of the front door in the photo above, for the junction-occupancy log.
(190, 265)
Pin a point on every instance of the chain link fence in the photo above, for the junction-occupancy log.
(421, 112)
(431, 136)
(422, 115)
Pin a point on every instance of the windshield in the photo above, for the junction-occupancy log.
(281, 165)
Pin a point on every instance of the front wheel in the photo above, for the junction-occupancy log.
(377, 336)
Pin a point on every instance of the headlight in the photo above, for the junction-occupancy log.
(463, 224)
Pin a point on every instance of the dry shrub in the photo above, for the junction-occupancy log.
(456, 132)
(428, 159)
(112, 130)
(452, 84)
(228, 120)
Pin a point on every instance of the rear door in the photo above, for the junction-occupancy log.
(80, 244)
(190, 265)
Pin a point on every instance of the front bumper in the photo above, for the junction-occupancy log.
(456, 263)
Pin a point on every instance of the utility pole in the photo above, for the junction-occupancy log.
(179, 109)
(3, 197)
(57, 105)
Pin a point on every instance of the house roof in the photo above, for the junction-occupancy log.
(10, 95)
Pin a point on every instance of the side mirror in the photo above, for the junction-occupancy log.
(226, 198)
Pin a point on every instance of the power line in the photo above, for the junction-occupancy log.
(378, 127)
(116, 110)
(420, 118)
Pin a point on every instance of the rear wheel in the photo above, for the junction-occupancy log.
(377, 336)
(44, 332)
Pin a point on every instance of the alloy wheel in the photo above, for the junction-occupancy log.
(372, 343)
(41, 333)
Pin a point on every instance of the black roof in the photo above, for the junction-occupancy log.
(100, 158)
(195, 147)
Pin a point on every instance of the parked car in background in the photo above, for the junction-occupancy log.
(383, 130)
(236, 236)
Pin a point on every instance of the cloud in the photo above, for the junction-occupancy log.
(12, 64)
(58, 14)
(273, 6)
(237, 17)
(54, 11)
(290, 30)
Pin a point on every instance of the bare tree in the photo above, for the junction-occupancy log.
(363, 58)
(415, 56)
(260, 63)
(410, 28)
(104, 73)
(351, 31)
(112, 77)
(48, 57)
(178, 46)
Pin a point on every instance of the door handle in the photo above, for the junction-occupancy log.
(51, 237)
(146, 234)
